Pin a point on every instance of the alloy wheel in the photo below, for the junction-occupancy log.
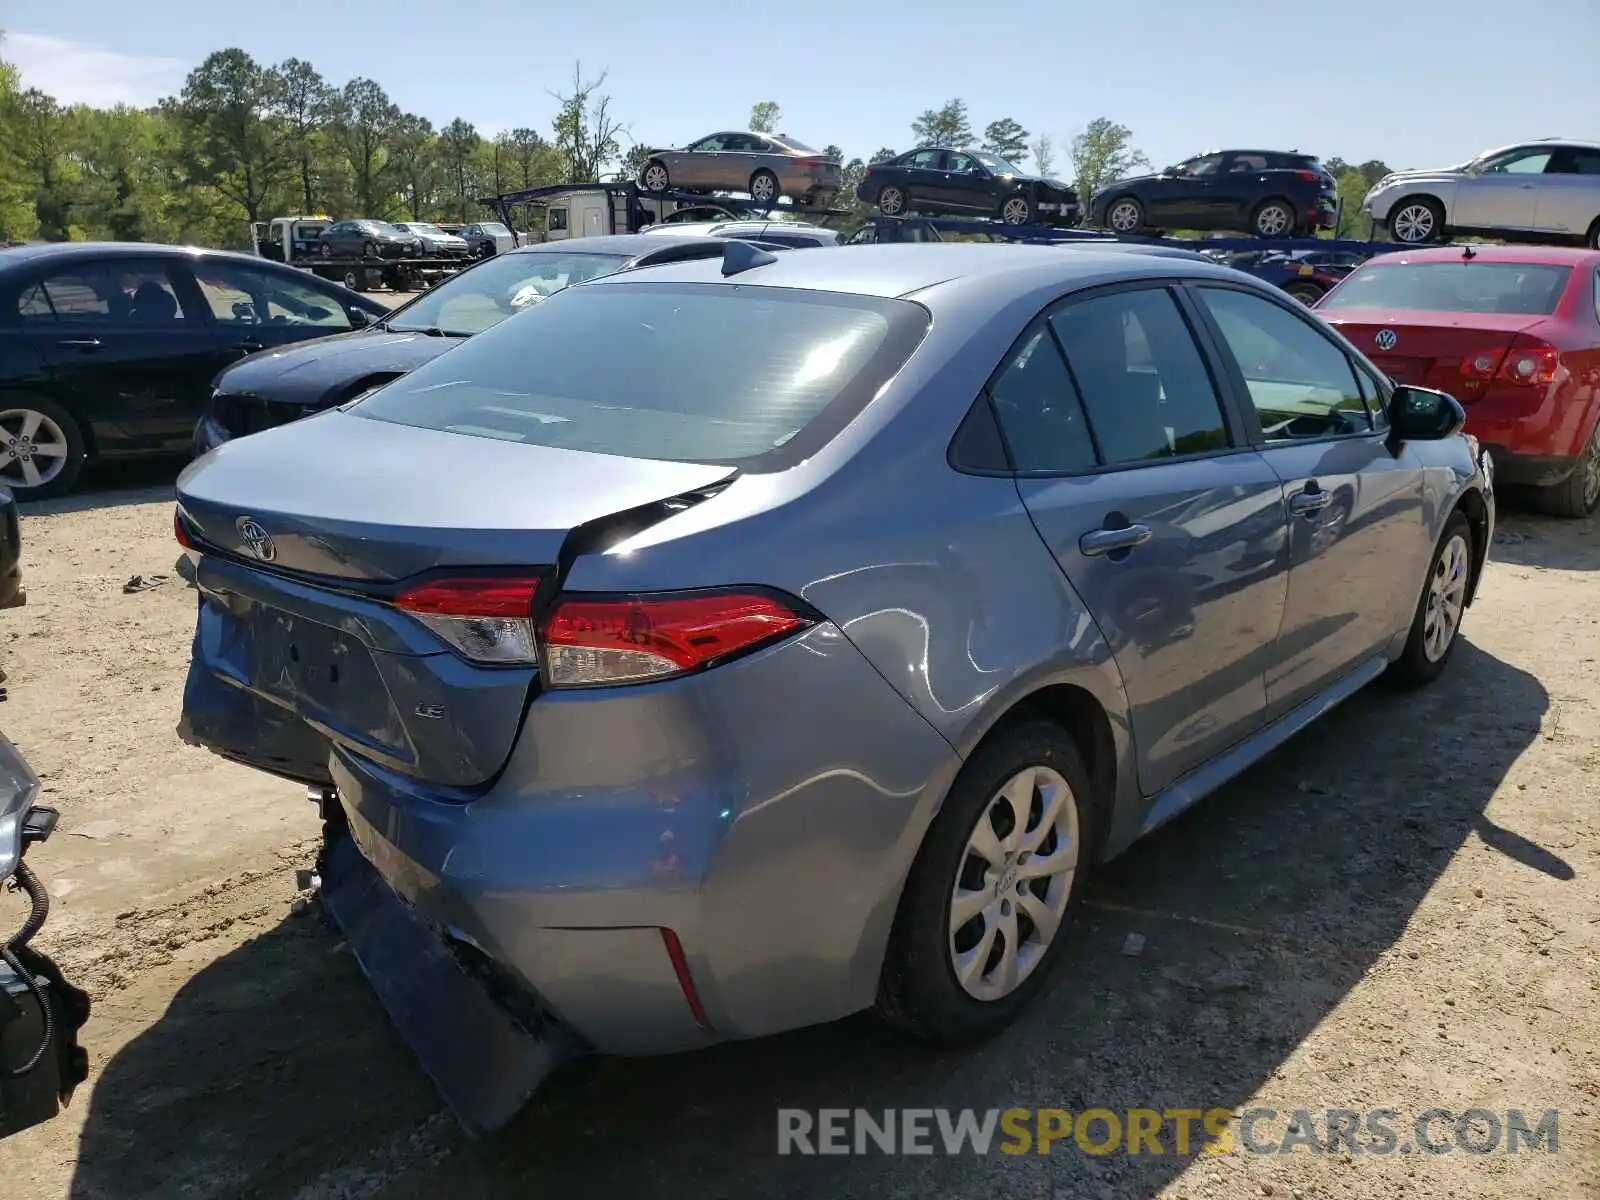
(1014, 211)
(655, 178)
(1124, 216)
(763, 188)
(1591, 472)
(33, 448)
(891, 201)
(1413, 223)
(1272, 220)
(1447, 593)
(1012, 886)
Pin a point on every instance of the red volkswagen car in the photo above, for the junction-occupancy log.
(1513, 332)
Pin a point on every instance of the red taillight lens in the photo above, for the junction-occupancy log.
(811, 162)
(1309, 176)
(607, 640)
(181, 531)
(1481, 365)
(485, 619)
(1531, 365)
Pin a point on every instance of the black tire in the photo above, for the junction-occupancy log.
(918, 991)
(1016, 210)
(766, 182)
(75, 459)
(1592, 238)
(1125, 204)
(1273, 218)
(368, 250)
(1578, 495)
(326, 249)
(653, 176)
(1415, 667)
(355, 278)
(1307, 293)
(1416, 221)
(891, 200)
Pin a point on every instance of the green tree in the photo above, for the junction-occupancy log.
(764, 117)
(1007, 139)
(365, 119)
(634, 160)
(414, 157)
(458, 143)
(536, 160)
(946, 126)
(232, 137)
(41, 141)
(1044, 155)
(18, 220)
(306, 103)
(832, 153)
(586, 132)
(1101, 153)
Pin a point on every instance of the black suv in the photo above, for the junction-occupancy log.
(936, 181)
(1270, 193)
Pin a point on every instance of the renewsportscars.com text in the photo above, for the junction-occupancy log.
(1149, 1131)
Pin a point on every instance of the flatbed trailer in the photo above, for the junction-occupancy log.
(294, 241)
(1307, 284)
(572, 210)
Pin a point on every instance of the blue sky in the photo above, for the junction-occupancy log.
(1420, 84)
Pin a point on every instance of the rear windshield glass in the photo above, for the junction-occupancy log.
(692, 373)
(1528, 289)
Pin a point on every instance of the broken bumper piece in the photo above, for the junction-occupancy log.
(486, 1046)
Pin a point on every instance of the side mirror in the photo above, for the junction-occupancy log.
(360, 318)
(1424, 415)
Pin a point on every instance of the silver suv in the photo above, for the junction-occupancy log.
(1547, 189)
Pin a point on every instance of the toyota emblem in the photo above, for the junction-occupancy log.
(256, 539)
(1386, 339)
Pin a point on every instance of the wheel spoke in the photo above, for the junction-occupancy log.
(31, 423)
(30, 473)
(1005, 972)
(970, 963)
(1018, 794)
(1054, 798)
(967, 905)
(1064, 858)
(986, 845)
(1046, 920)
(50, 450)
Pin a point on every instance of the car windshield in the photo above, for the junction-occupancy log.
(506, 284)
(1527, 289)
(422, 227)
(687, 373)
(995, 163)
(382, 227)
(493, 227)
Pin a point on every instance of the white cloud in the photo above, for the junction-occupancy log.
(78, 73)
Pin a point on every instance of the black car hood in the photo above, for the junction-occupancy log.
(326, 370)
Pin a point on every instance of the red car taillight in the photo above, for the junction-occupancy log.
(181, 530)
(597, 640)
(486, 620)
(1536, 364)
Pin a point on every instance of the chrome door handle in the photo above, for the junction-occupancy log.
(88, 343)
(1312, 500)
(1105, 541)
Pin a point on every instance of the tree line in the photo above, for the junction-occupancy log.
(244, 141)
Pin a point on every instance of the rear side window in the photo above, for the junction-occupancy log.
(1038, 410)
(114, 292)
(1520, 289)
(1143, 382)
(718, 373)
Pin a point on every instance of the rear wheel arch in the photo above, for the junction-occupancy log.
(1475, 508)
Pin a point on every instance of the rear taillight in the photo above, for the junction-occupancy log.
(591, 641)
(1481, 365)
(486, 620)
(1531, 365)
(180, 530)
(1309, 176)
(811, 162)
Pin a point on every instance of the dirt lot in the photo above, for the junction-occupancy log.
(1398, 910)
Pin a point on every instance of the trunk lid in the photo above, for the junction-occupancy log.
(1428, 349)
(302, 532)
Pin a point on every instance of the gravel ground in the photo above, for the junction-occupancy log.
(1396, 911)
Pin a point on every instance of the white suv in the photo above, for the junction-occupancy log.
(1547, 190)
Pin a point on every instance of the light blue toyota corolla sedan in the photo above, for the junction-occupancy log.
(731, 646)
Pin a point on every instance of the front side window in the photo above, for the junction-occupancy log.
(962, 164)
(241, 295)
(505, 285)
(1199, 168)
(1038, 410)
(708, 373)
(1144, 384)
(1301, 383)
(107, 292)
(717, 141)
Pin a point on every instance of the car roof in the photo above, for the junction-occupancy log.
(79, 251)
(1564, 256)
(902, 269)
(616, 243)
